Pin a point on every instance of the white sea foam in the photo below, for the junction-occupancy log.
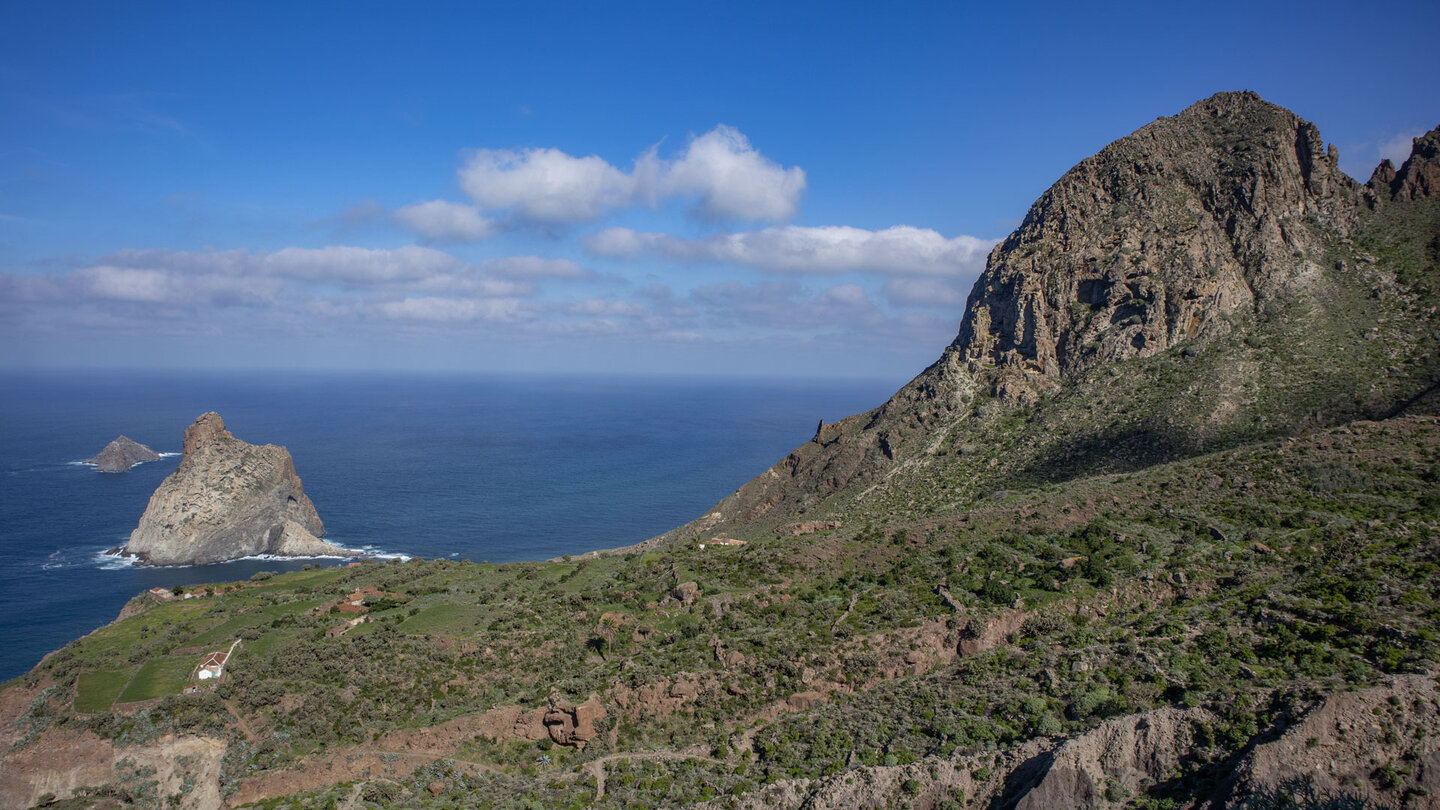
(113, 561)
(378, 553)
(132, 466)
(118, 560)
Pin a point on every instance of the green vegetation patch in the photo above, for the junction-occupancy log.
(448, 619)
(159, 677)
(116, 639)
(96, 691)
(266, 616)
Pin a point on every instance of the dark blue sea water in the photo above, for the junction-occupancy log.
(496, 468)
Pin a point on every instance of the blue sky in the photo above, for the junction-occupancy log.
(771, 188)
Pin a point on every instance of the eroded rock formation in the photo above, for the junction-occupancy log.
(229, 499)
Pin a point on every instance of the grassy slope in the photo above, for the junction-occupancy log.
(1246, 579)
(1307, 565)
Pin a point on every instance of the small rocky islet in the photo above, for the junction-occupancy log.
(120, 455)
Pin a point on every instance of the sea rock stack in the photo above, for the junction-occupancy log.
(122, 454)
(229, 499)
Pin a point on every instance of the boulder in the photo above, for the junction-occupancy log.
(686, 593)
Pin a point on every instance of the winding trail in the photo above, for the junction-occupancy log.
(854, 598)
(596, 767)
(241, 721)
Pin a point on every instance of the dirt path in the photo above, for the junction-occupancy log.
(361, 763)
(854, 597)
(240, 721)
(747, 740)
(354, 797)
(596, 767)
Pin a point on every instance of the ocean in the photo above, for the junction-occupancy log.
(491, 468)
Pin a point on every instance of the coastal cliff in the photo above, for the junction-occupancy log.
(122, 454)
(229, 499)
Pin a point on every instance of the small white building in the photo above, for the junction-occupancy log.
(212, 667)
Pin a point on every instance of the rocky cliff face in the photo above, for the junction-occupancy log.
(1225, 233)
(122, 454)
(1155, 241)
(228, 499)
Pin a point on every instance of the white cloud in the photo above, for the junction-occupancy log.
(533, 267)
(359, 266)
(450, 310)
(158, 287)
(112, 285)
(127, 284)
(785, 306)
(924, 292)
(473, 285)
(1397, 149)
(409, 267)
(608, 308)
(445, 221)
(405, 284)
(623, 243)
(545, 185)
(730, 178)
(901, 249)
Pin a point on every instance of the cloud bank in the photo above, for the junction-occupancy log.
(794, 249)
(408, 283)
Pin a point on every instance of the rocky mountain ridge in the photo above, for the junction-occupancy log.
(229, 499)
(1168, 279)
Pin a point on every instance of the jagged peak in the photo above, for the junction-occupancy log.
(1152, 241)
(1235, 102)
(207, 431)
(1418, 177)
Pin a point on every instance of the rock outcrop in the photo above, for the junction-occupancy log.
(122, 454)
(1124, 755)
(573, 724)
(228, 500)
(1374, 743)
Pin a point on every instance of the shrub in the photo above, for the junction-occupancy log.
(997, 592)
